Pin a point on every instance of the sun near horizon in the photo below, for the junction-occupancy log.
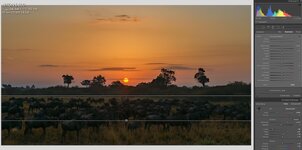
(125, 80)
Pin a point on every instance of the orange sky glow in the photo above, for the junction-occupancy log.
(132, 42)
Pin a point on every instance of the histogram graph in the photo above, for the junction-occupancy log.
(277, 10)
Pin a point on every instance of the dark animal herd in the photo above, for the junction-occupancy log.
(75, 114)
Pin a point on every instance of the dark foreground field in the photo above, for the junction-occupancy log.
(204, 133)
(126, 120)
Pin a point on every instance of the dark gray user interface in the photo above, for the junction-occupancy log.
(278, 74)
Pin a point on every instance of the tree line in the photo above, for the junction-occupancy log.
(161, 84)
(164, 79)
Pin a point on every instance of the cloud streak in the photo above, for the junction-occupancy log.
(175, 67)
(131, 79)
(115, 69)
(156, 63)
(169, 66)
(179, 67)
(118, 19)
(122, 16)
(49, 66)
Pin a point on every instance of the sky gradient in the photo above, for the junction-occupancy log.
(126, 41)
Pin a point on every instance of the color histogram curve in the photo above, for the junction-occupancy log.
(271, 13)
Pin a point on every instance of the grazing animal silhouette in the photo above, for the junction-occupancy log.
(11, 122)
(40, 120)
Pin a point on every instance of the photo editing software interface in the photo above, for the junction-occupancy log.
(152, 75)
(126, 75)
(277, 74)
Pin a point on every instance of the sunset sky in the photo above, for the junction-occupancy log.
(126, 41)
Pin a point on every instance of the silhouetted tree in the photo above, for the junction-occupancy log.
(164, 79)
(116, 84)
(142, 85)
(201, 77)
(158, 82)
(6, 86)
(237, 83)
(67, 79)
(86, 83)
(98, 81)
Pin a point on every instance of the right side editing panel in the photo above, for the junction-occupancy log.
(278, 74)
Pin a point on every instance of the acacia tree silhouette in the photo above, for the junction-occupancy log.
(201, 77)
(98, 81)
(67, 79)
(86, 83)
(116, 84)
(164, 79)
